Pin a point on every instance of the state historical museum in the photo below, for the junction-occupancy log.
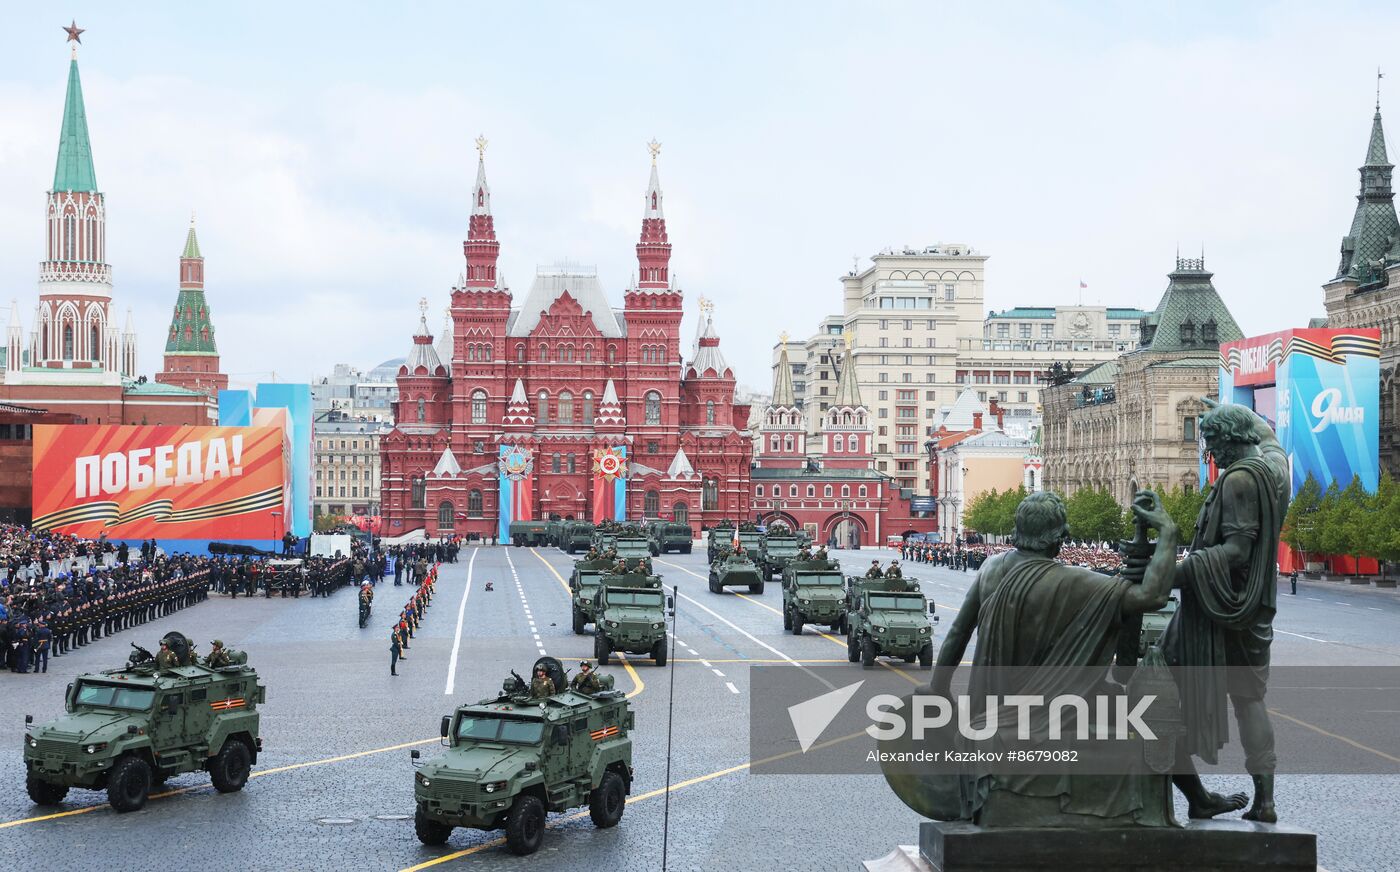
(564, 406)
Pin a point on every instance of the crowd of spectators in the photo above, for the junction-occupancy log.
(1096, 556)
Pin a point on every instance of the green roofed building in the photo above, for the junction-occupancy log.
(1131, 423)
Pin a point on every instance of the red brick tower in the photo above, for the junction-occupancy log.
(191, 355)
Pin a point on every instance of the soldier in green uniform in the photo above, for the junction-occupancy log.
(165, 658)
(874, 571)
(395, 650)
(218, 657)
(587, 680)
(541, 687)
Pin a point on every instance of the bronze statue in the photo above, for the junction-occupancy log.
(1029, 610)
(1228, 600)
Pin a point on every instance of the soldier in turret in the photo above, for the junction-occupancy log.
(874, 571)
(218, 657)
(587, 680)
(541, 687)
(165, 658)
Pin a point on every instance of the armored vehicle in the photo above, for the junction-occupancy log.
(633, 549)
(603, 540)
(530, 533)
(127, 730)
(554, 532)
(576, 535)
(813, 594)
(631, 619)
(751, 539)
(669, 536)
(721, 539)
(886, 623)
(584, 586)
(732, 569)
(779, 548)
(513, 758)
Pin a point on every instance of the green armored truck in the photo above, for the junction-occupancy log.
(734, 568)
(721, 540)
(577, 535)
(583, 584)
(531, 533)
(127, 730)
(886, 623)
(778, 549)
(515, 757)
(630, 619)
(670, 536)
(1154, 624)
(813, 593)
(632, 548)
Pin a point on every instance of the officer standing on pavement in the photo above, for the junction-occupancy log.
(395, 649)
(43, 638)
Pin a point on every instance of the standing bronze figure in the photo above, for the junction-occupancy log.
(1223, 629)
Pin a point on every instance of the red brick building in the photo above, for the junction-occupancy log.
(17, 458)
(76, 361)
(833, 492)
(563, 373)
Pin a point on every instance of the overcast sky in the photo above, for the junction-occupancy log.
(328, 153)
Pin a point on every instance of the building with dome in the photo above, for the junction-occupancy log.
(561, 405)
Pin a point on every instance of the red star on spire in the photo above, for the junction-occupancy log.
(75, 32)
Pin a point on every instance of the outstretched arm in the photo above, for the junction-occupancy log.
(1156, 586)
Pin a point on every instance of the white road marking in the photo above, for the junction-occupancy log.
(457, 637)
(1340, 603)
(707, 664)
(732, 688)
(1375, 608)
(717, 672)
(525, 604)
(1314, 599)
(1301, 636)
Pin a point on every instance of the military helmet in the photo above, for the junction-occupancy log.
(217, 643)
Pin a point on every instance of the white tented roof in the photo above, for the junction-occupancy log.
(581, 283)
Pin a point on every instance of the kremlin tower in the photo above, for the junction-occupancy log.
(191, 356)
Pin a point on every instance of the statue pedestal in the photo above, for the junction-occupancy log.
(1215, 845)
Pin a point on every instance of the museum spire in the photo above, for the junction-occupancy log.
(481, 248)
(654, 247)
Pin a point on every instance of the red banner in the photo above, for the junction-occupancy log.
(170, 482)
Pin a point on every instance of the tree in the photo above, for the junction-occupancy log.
(1300, 524)
(993, 513)
(1094, 515)
(1384, 513)
(1328, 522)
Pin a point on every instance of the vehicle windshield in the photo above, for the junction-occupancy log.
(902, 602)
(487, 728)
(638, 598)
(633, 548)
(115, 696)
(826, 578)
(677, 530)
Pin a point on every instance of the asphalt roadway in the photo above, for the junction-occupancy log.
(333, 787)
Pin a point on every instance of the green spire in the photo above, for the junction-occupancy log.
(74, 171)
(1375, 149)
(1191, 316)
(191, 331)
(191, 243)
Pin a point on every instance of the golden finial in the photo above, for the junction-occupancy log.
(847, 338)
(655, 148)
(423, 305)
(783, 337)
(481, 147)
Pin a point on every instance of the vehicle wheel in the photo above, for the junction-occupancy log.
(909, 658)
(839, 625)
(787, 619)
(756, 587)
(229, 771)
(129, 784)
(685, 549)
(45, 792)
(601, 650)
(655, 552)
(570, 549)
(714, 583)
(429, 831)
(607, 801)
(658, 652)
(867, 653)
(852, 652)
(580, 622)
(926, 656)
(525, 825)
(797, 624)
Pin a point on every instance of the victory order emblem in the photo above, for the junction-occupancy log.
(609, 463)
(517, 463)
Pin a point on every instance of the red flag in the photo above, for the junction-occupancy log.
(1082, 286)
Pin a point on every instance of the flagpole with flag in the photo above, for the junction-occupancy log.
(1082, 286)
